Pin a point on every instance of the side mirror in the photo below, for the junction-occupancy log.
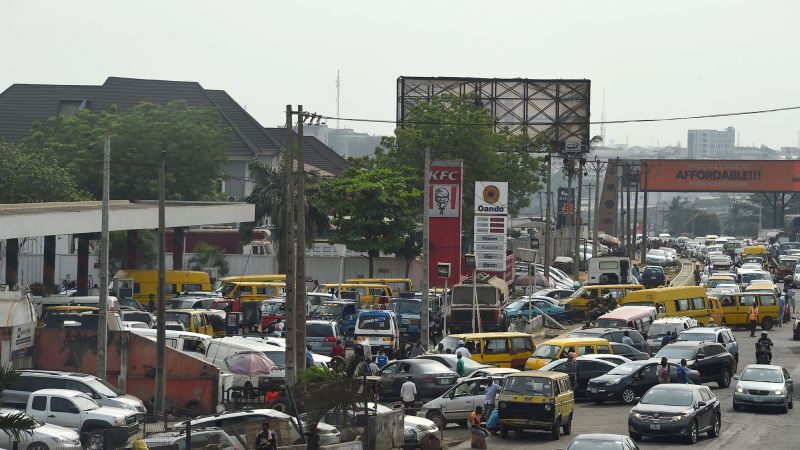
(736, 377)
(699, 356)
(701, 404)
(637, 399)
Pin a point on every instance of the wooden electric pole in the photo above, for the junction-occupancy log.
(161, 351)
(300, 249)
(102, 325)
(288, 241)
(425, 318)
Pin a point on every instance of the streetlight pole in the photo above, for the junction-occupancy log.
(161, 374)
(102, 326)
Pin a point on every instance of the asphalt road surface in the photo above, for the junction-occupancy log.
(747, 429)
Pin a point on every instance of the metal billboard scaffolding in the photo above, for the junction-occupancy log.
(557, 109)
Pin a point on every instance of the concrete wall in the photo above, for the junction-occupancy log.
(385, 431)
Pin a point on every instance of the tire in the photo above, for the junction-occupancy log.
(567, 428)
(503, 432)
(437, 418)
(635, 436)
(281, 404)
(714, 431)
(94, 440)
(791, 403)
(38, 446)
(627, 396)
(555, 434)
(785, 408)
(691, 436)
(767, 323)
(725, 381)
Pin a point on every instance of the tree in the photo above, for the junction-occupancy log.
(15, 423)
(269, 197)
(411, 248)
(678, 215)
(143, 246)
(703, 224)
(373, 209)
(328, 389)
(456, 128)
(742, 219)
(208, 255)
(193, 138)
(26, 178)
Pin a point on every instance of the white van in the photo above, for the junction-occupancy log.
(376, 330)
(610, 270)
(193, 343)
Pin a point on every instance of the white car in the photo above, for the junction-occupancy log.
(202, 438)
(724, 288)
(130, 324)
(45, 435)
(415, 428)
(489, 372)
(456, 404)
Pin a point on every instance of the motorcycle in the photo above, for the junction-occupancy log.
(763, 354)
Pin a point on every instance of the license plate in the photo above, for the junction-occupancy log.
(444, 380)
(655, 426)
(758, 399)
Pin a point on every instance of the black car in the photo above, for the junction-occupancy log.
(653, 277)
(630, 380)
(683, 410)
(451, 360)
(628, 352)
(709, 358)
(585, 370)
(602, 441)
(432, 378)
(615, 335)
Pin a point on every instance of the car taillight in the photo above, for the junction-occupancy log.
(330, 339)
(428, 378)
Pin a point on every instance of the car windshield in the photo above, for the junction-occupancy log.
(327, 309)
(624, 369)
(374, 322)
(747, 278)
(660, 253)
(273, 308)
(546, 351)
(658, 330)
(668, 397)
(595, 444)
(611, 323)
(182, 317)
(762, 375)
(697, 337)
(519, 304)
(103, 387)
(528, 386)
(408, 307)
(85, 403)
(715, 283)
(319, 330)
(676, 352)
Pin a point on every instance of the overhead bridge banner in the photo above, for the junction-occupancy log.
(695, 175)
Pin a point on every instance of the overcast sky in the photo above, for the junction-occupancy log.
(653, 58)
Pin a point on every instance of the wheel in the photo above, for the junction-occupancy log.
(281, 404)
(95, 439)
(691, 436)
(767, 323)
(38, 446)
(635, 436)
(503, 432)
(714, 431)
(791, 403)
(567, 428)
(436, 417)
(627, 396)
(725, 381)
(556, 432)
(785, 408)
(736, 406)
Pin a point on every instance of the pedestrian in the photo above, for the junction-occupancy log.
(790, 299)
(683, 375)
(408, 393)
(674, 336)
(752, 319)
(315, 287)
(279, 326)
(440, 348)
(461, 350)
(265, 440)
(417, 350)
(460, 364)
(781, 306)
(309, 356)
(492, 389)
(711, 322)
(663, 371)
(337, 349)
(382, 360)
(374, 370)
(477, 432)
(493, 422)
(626, 338)
(571, 369)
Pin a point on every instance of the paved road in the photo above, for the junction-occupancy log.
(740, 430)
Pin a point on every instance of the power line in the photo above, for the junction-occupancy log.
(601, 122)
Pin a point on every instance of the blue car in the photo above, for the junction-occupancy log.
(522, 308)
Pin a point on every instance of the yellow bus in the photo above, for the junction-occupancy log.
(367, 294)
(679, 301)
(396, 284)
(248, 291)
(142, 284)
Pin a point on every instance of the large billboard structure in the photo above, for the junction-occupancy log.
(690, 175)
(557, 109)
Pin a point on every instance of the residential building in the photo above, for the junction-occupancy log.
(704, 144)
(346, 142)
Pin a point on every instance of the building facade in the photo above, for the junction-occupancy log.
(705, 144)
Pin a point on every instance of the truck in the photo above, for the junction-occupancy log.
(492, 297)
(409, 315)
(99, 426)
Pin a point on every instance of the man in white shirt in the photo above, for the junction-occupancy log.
(408, 393)
(463, 350)
(626, 339)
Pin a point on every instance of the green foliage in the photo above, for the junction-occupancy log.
(29, 178)
(325, 390)
(13, 424)
(208, 255)
(487, 156)
(373, 209)
(192, 137)
(704, 223)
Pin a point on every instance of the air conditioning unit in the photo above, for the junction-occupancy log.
(233, 198)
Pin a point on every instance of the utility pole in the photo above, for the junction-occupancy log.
(548, 251)
(638, 179)
(627, 182)
(161, 351)
(424, 334)
(102, 326)
(300, 237)
(577, 220)
(643, 251)
(597, 165)
(338, 91)
(288, 241)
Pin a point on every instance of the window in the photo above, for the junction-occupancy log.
(617, 294)
(722, 339)
(137, 288)
(786, 375)
(71, 107)
(62, 405)
(728, 301)
(172, 288)
(585, 350)
(766, 300)
(705, 395)
(496, 346)
(747, 300)
(391, 368)
(192, 287)
(80, 387)
(682, 305)
(603, 349)
(637, 338)
(698, 303)
(39, 403)
(405, 368)
(521, 344)
(594, 366)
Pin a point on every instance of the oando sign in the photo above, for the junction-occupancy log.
(491, 197)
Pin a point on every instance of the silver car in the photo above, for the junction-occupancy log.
(764, 385)
(456, 404)
(212, 437)
(42, 437)
(322, 335)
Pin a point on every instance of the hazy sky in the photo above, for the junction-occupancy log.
(653, 58)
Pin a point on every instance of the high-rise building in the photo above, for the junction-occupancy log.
(705, 144)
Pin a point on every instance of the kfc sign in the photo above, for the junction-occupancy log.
(444, 201)
(445, 175)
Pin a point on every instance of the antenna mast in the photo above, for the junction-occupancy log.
(338, 89)
(603, 119)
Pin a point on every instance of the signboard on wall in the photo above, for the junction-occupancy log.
(491, 226)
(566, 208)
(444, 200)
(22, 336)
(720, 176)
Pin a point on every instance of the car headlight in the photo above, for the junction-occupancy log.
(636, 415)
(614, 381)
(740, 389)
(547, 407)
(779, 391)
(679, 417)
(119, 420)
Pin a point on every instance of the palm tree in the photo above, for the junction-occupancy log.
(269, 197)
(328, 389)
(13, 424)
(208, 255)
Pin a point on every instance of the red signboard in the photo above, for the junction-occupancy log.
(444, 226)
(720, 176)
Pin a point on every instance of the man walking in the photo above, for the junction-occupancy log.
(460, 365)
(492, 389)
(408, 393)
(781, 307)
(752, 319)
(417, 350)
